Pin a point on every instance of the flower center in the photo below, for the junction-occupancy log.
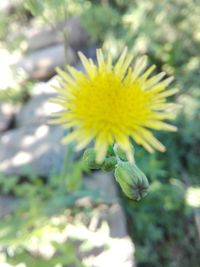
(105, 103)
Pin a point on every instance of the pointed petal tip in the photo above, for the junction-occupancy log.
(82, 57)
(52, 122)
(80, 53)
(163, 149)
(144, 57)
(175, 129)
(63, 141)
(57, 69)
(171, 128)
(151, 151)
(101, 153)
(78, 148)
(130, 157)
(169, 80)
(99, 158)
(125, 50)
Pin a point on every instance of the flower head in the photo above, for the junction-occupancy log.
(113, 103)
(132, 180)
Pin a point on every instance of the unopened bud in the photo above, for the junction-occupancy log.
(120, 153)
(132, 180)
(89, 158)
(109, 164)
(110, 151)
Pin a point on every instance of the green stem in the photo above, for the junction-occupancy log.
(65, 45)
(65, 34)
(115, 147)
(116, 155)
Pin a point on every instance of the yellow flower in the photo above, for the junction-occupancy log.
(112, 103)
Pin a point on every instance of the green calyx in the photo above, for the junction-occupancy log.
(89, 158)
(109, 163)
(120, 153)
(132, 180)
(110, 151)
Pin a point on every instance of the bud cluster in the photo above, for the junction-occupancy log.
(131, 179)
(89, 158)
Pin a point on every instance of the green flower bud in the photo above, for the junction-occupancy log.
(89, 158)
(120, 153)
(132, 180)
(109, 164)
(110, 151)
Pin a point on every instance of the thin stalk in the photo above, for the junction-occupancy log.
(116, 155)
(65, 35)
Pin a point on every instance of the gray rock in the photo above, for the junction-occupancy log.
(32, 150)
(36, 111)
(5, 5)
(6, 115)
(119, 254)
(77, 36)
(44, 37)
(115, 247)
(41, 64)
(8, 6)
(45, 87)
(39, 108)
(102, 182)
(105, 185)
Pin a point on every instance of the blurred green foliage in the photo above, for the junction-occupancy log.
(37, 202)
(49, 10)
(162, 225)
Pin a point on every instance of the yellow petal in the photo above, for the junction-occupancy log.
(139, 67)
(146, 74)
(154, 80)
(101, 147)
(89, 67)
(125, 145)
(158, 125)
(100, 59)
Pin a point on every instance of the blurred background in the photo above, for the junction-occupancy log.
(53, 211)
